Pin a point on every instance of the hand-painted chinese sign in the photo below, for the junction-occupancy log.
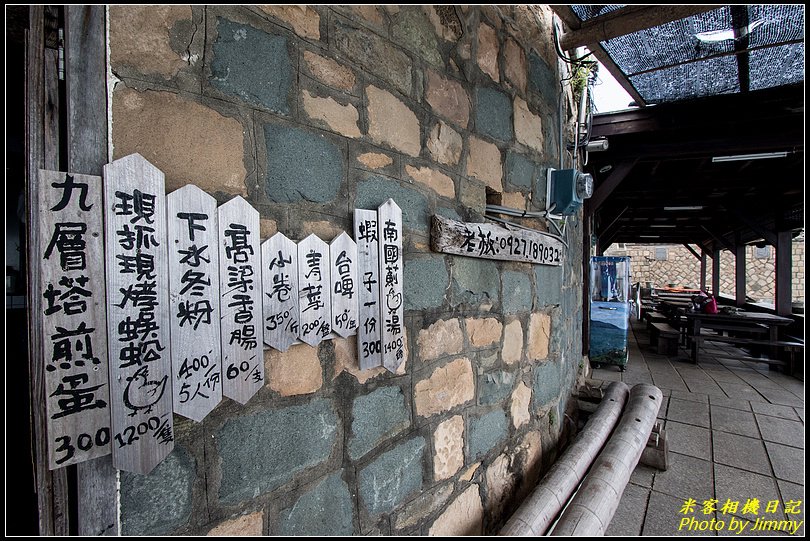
(369, 337)
(194, 302)
(71, 245)
(491, 241)
(191, 299)
(389, 224)
(138, 314)
(343, 252)
(313, 290)
(280, 288)
(240, 283)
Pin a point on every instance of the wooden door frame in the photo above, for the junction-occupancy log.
(66, 129)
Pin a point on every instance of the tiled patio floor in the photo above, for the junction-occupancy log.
(735, 432)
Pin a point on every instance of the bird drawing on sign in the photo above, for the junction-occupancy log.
(141, 394)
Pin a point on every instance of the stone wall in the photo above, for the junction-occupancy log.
(682, 268)
(309, 112)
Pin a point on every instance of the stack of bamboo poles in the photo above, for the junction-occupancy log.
(586, 484)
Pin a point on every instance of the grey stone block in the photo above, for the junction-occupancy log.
(426, 282)
(520, 171)
(542, 78)
(684, 411)
(734, 421)
(787, 462)
(687, 477)
(663, 517)
(475, 281)
(302, 165)
(493, 114)
(495, 386)
(485, 432)
(548, 285)
(377, 416)
(774, 410)
(264, 450)
(252, 65)
(689, 440)
(629, 517)
(546, 383)
(160, 502)
(517, 292)
(741, 452)
(739, 485)
(781, 431)
(376, 190)
(392, 477)
(326, 509)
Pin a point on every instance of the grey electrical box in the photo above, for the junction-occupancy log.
(568, 189)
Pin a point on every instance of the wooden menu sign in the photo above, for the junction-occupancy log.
(280, 287)
(71, 246)
(369, 350)
(343, 288)
(240, 285)
(138, 314)
(494, 241)
(194, 302)
(389, 230)
(313, 291)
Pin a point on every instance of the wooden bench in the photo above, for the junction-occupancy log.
(664, 338)
(654, 317)
(792, 346)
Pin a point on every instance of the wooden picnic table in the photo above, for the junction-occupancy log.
(750, 322)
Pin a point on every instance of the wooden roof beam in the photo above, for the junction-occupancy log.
(573, 23)
(626, 21)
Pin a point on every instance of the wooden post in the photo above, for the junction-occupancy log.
(784, 262)
(716, 272)
(539, 510)
(739, 274)
(703, 264)
(626, 21)
(42, 141)
(586, 282)
(596, 501)
(86, 89)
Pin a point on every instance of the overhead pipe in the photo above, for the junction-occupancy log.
(596, 501)
(542, 506)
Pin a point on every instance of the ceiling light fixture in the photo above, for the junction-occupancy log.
(693, 207)
(649, 237)
(663, 226)
(745, 157)
(713, 36)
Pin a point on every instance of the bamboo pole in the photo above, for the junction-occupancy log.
(594, 505)
(543, 505)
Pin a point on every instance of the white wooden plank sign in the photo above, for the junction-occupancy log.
(493, 241)
(240, 280)
(343, 256)
(369, 343)
(71, 245)
(194, 302)
(280, 288)
(389, 226)
(138, 314)
(313, 291)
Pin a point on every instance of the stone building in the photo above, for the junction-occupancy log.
(311, 112)
(674, 264)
